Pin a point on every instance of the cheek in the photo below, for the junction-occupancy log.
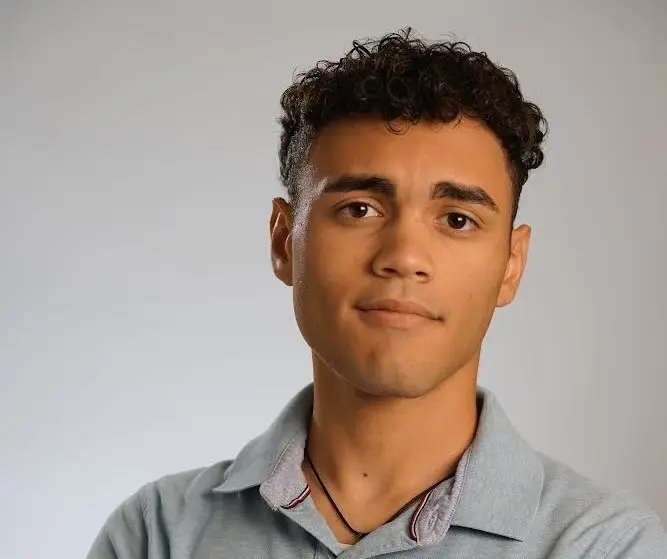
(477, 289)
(322, 272)
(324, 283)
(333, 255)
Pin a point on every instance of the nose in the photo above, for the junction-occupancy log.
(404, 252)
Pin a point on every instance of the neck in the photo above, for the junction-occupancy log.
(390, 449)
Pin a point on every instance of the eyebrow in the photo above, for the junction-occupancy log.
(442, 189)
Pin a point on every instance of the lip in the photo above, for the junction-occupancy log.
(396, 312)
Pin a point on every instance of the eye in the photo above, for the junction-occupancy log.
(459, 221)
(359, 210)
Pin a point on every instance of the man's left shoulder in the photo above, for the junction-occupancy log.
(594, 520)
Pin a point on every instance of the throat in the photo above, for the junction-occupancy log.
(351, 516)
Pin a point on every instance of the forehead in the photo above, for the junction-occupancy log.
(418, 156)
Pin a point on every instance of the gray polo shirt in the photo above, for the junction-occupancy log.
(505, 501)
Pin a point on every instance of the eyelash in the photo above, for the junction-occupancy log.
(357, 203)
(349, 205)
(474, 224)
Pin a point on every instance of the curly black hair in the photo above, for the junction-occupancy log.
(400, 76)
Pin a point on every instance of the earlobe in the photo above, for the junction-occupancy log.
(280, 230)
(519, 244)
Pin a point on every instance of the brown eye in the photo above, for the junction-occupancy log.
(459, 222)
(359, 210)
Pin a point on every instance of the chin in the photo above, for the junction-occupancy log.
(396, 383)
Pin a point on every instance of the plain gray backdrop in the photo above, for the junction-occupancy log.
(141, 329)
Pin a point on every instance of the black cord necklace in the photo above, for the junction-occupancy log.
(340, 514)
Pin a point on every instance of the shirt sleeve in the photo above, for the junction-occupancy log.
(645, 539)
(124, 534)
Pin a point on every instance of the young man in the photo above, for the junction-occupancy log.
(404, 163)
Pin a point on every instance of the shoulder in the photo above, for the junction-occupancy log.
(585, 515)
(566, 493)
(147, 517)
(173, 493)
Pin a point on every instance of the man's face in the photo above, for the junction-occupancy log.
(400, 251)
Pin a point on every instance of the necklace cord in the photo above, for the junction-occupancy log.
(340, 514)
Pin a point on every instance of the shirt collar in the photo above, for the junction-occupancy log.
(260, 458)
(498, 481)
(502, 476)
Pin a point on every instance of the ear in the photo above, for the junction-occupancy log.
(280, 229)
(519, 244)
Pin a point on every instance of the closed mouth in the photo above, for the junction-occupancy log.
(399, 307)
